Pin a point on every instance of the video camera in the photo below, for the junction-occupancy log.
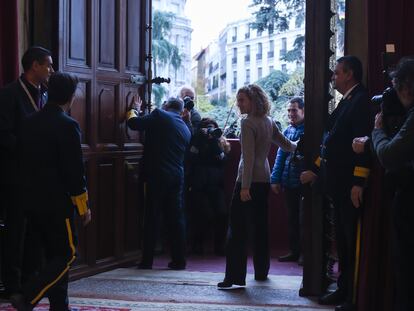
(393, 112)
(188, 103)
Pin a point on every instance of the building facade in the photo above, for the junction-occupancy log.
(180, 36)
(242, 55)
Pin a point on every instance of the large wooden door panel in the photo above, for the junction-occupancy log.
(104, 42)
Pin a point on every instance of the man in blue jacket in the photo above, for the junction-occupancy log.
(286, 173)
(166, 140)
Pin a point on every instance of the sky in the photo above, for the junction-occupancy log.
(209, 17)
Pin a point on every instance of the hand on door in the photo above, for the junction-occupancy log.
(136, 103)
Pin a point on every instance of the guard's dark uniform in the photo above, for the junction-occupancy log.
(53, 182)
(339, 169)
(17, 100)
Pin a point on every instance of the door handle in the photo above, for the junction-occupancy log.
(140, 80)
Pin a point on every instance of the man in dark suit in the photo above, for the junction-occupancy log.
(18, 100)
(52, 183)
(343, 173)
(166, 140)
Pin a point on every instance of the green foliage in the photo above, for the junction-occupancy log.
(294, 86)
(204, 105)
(276, 14)
(163, 50)
(159, 92)
(272, 83)
(298, 51)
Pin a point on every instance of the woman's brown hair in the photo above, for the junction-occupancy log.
(259, 99)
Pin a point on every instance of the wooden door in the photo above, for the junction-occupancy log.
(104, 42)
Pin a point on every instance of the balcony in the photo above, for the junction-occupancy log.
(270, 54)
(247, 58)
(259, 56)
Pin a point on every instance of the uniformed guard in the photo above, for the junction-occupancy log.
(53, 187)
(342, 173)
(19, 99)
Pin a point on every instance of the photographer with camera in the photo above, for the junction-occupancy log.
(396, 154)
(207, 155)
(190, 114)
(285, 174)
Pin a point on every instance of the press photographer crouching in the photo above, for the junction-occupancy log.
(395, 151)
(208, 152)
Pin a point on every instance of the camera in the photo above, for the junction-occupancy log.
(188, 103)
(214, 132)
(392, 110)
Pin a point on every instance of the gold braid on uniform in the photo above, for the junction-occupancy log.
(81, 202)
(131, 114)
(360, 171)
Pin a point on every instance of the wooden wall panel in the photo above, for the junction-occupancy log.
(81, 110)
(133, 27)
(105, 210)
(133, 202)
(108, 13)
(107, 100)
(78, 31)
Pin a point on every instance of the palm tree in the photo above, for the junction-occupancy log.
(165, 53)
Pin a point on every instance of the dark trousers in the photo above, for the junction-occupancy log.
(13, 242)
(55, 235)
(244, 216)
(346, 219)
(293, 203)
(208, 207)
(164, 197)
(403, 245)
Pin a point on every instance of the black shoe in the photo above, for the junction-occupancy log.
(261, 277)
(288, 257)
(335, 298)
(345, 307)
(176, 265)
(144, 266)
(19, 303)
(229, 285)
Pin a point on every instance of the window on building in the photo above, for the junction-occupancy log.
(283, 49)
(247, 76)
(259, 50)
(259, 72)
(234, 37)
(259, 33)
(234, 58)
(284, 68)
(234, 84)
(247, 56)
(271, 52)
(247, 34)
(271, 69)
